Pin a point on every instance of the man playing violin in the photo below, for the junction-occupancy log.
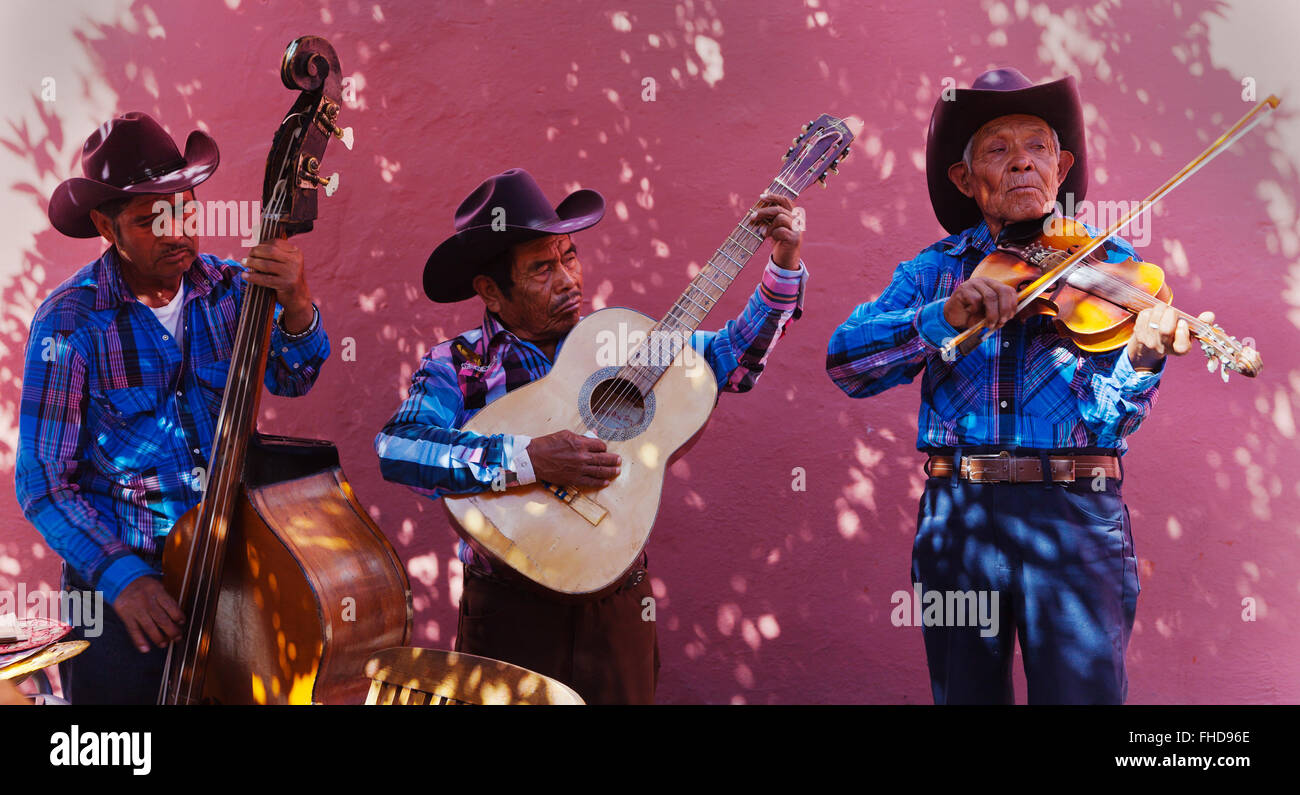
(125, 368)
(1026, 431)
(517, 254)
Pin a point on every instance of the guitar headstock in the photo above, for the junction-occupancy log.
(1225, 353)
(820, 148)
(293, 174)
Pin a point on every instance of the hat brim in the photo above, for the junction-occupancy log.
(954, 121)
(450, 270)
(72, 200)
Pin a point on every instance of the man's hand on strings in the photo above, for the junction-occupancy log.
(278, 264)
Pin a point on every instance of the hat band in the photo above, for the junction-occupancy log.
(150, 173)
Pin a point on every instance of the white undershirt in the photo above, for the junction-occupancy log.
(170, 316)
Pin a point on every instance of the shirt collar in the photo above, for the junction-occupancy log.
(977, 237)
(492, 329)
(495, 334)
(111, 288)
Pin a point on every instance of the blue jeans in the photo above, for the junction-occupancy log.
(1061, 560)
(111, 670)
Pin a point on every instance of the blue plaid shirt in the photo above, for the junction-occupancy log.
(423, 447)
(116, 423)
(1023, 387)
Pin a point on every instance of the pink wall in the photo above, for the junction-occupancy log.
(765, 594)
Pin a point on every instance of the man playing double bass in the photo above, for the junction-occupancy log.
(125, 368)
(1025, 432)
(527, 273)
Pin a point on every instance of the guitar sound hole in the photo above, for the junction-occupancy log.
(617, 404)
(614, 407)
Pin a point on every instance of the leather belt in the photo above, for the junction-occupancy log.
(1005, 468)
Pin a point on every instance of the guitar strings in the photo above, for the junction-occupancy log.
(642, 377)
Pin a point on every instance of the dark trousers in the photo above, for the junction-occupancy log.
(605, 650)
(111, 670)
(1060, 557)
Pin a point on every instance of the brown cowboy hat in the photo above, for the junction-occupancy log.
(132, 155)
(999, 92)
(505, 209)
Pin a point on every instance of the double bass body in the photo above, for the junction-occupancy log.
(309, 589)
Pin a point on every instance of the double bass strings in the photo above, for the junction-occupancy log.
(257, 299)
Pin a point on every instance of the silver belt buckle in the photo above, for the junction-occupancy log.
(1007, 470)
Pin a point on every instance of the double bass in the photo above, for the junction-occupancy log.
(286, 583)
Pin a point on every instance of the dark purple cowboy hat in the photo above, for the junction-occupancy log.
(999, 92)
(526, 214)
(129, 156)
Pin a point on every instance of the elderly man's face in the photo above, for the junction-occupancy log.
(545, 300)
(1015, 170)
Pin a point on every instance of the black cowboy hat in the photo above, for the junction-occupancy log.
(132, 155)
(999, 92)
(506, 209)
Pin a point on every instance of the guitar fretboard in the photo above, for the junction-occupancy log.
(672, 334)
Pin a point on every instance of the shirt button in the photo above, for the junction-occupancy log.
(1004, 404)
(196, 451)
(295, 365)
(284, 350)
(166, 337)
(1006, 344)
(180, 393)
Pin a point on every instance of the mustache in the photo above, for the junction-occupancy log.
(560, 302)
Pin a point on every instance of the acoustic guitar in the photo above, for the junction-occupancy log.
(645, 405)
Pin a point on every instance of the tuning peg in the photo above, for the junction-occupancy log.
(1211, 362)
(795, 140)
(345, 136)
(835, 167)
(845, 155)
(330, 185)
(822, 180)
(809, 125)
(326, 120)
(788, 152)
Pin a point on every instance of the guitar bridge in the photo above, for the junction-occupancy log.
(583, 505)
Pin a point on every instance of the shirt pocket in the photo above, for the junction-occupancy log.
(1046, 378)
(212, 379)
(125, 428)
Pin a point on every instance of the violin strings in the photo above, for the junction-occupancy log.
(1133, 295)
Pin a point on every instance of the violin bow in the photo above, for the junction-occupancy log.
(962, 342)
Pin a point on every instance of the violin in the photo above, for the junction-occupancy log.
(1096, 303)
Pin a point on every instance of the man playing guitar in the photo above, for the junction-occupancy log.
(517, 254)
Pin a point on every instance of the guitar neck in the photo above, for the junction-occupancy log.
(706, 289)
(672, 334)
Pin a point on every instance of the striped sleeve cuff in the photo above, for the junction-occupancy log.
(1130, 381)
(309, 347)
(782, 289)
(931, 325)
(121, 573)
(517, 459)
